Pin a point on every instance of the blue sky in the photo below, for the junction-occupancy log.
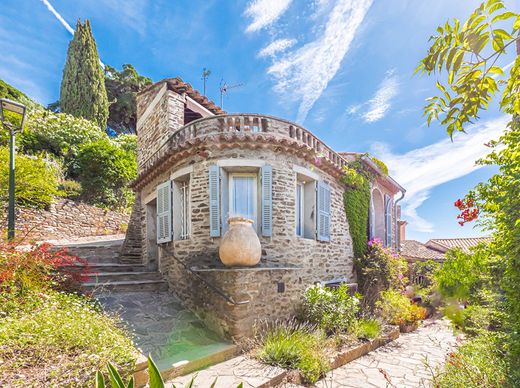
(343, 69)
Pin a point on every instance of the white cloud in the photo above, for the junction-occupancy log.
(306, 72)
(379, 105)
(422, 169)
(58, 16)
(265, 12)
(277, 46)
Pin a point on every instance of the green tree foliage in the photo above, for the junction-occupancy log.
(105, 169)
(83, 92)
(13, 94)
(36, 180)
(122, 88)
(472, 53)
(58, 134)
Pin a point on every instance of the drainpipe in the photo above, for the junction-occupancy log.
(397, 234)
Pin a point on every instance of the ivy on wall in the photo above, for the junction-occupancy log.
(357, 203)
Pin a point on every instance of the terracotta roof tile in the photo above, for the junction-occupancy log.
(445, 244)
(415, 250)
(178, 85)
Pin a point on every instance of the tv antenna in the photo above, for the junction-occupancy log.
(224, 89)
(205, 74)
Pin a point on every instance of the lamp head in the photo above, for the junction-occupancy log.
(8, 106)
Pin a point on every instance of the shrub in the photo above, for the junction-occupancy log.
(70, 189)
(425, 272)
(480, 362)
(105, 169)
(380, 270)
(397, 309)
(367, 328)
(36, 180)
(59, 339)
(296, 346)
(334, 310)
(38, 268)
(59, 134)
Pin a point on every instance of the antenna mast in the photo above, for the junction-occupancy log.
(205, 74)
(224, 88)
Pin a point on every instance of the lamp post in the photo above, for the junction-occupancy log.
(11, 107)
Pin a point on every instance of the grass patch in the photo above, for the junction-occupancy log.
(53, 338)
(294, 345)
(480, 362)
(367, 329)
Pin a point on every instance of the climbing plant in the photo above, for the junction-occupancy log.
(357, 203)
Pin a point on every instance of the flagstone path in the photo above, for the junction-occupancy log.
(403, 361)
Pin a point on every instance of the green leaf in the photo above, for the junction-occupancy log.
(503, 34)
(130, 382)
(114, 377)
(100, 380)
(213, 383)
(504, 16)
(156, 380)
(516, 24)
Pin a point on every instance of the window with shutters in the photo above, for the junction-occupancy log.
(241, 191)
(305, 211)
(164, 212)
(243, 196)
(181, 208)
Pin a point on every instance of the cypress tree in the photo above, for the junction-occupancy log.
(83, 92)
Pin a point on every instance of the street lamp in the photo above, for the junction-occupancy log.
(11, 107)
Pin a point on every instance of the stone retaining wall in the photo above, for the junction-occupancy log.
(66, 219)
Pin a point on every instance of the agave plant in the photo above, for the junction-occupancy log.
(156, 381)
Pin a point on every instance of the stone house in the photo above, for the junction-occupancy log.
(198, 165)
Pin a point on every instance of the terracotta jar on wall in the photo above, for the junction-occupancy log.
(240, 245)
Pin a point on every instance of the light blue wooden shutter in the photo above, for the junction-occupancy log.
(224, 205)
(323, 219)
(164, 212)
(388, 221)
(267, 201)
(214, 201)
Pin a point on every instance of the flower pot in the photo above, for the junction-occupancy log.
(240, 245)
(408, 327)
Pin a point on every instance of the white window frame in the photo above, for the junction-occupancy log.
(232, 175)
(182, 207)
(184, 187)
(300, 189)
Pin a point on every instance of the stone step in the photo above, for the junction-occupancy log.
(95, 268)
(126, 286)
(111, 277)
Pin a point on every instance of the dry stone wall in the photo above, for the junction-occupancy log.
(66, 219)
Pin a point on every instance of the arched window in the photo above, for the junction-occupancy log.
(388, 220)
(377, 219)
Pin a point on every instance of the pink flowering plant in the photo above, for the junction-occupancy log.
(380, 269)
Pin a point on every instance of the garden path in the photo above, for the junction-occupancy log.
(402, 360)
(406, 362)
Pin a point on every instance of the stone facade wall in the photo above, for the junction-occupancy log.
(165, 117)
(309, 260)
(66, 219)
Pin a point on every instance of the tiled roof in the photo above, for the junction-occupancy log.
(178, 85)
(445, 244)
(415, 250)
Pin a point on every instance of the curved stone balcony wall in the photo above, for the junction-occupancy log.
(240, 130)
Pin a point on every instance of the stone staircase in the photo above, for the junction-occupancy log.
(106, 271)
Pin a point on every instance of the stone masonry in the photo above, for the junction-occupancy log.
(67, 219)
(231, 300)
